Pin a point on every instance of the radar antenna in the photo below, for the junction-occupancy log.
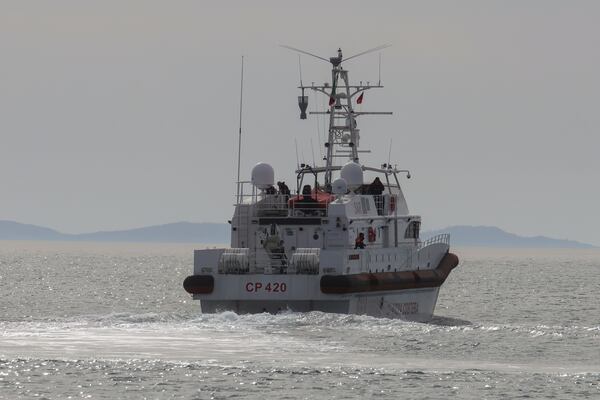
(383, 46)
(303, 52)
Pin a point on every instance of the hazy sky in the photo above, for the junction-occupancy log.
(118, 114)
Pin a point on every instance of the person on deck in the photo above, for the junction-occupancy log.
(376, 187)
(359, 243)
(283, 188)
(270, 190)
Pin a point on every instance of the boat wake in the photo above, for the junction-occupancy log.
(300, 339)
(266, 322)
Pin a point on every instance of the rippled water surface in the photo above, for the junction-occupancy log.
(82, 320)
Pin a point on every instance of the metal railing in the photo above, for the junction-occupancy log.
(280, 205)
(441, 238)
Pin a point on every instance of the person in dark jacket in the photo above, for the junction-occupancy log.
(283, 188)
(307, 201)
(376, 187)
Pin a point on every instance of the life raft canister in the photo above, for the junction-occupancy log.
(371, 234)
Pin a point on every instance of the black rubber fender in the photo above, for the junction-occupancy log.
(382, 281)
(199, 284)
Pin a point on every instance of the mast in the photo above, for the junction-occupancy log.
(343, 134)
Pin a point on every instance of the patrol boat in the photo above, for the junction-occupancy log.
(338, 243)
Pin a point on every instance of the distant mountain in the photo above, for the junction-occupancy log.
(188, 232)
(10, 230)
(490, 236)
(178, 232)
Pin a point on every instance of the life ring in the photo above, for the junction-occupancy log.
(392, 203)
(371, 234)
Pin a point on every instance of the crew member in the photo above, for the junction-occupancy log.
(376, 187)
(283, 188)
(307, 191)
(307, 195)
(359, 243)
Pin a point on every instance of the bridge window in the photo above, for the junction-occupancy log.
(412, 231)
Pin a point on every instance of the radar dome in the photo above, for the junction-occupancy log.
(263, 176)
(339, 186)
(352, 173)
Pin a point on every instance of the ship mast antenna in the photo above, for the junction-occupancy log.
(383, 46)
(304, 52)
(240, 132)
(318, 120)
(297, 159)
(343, 134)
(300, 69)
(379, 82)
(336, 61)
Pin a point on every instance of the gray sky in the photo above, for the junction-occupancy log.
(117, 114)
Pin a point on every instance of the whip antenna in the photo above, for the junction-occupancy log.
(297, 160)
(240, 131)
(318, 120)
(300, 69)
(379, 83)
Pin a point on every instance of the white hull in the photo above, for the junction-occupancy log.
(413, 304)
(409, 294)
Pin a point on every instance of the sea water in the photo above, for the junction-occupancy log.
(109, 321)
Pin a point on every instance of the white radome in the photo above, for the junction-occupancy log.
(339, 186)
(263, 176)
(352, 173)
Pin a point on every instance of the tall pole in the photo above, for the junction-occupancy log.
(240, 132)
(331, 136)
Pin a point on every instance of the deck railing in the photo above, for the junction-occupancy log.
(441, 238)
(267, 205)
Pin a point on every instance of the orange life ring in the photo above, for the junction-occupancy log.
(371, 234)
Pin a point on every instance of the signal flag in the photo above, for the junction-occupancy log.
(360, 98)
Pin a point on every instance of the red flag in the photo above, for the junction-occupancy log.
(360, 98)
(331, 101)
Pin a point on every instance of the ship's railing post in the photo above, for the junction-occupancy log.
(240, 192)
(241, 195)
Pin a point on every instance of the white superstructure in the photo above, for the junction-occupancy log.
(339, 242)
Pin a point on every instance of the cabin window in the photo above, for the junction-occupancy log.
(412, 231)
